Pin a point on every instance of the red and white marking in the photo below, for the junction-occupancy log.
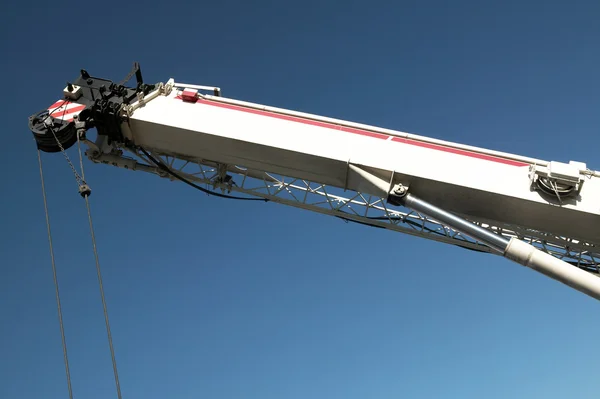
(347, 129)
(65, 110)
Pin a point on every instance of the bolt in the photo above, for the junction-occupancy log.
(400, 190)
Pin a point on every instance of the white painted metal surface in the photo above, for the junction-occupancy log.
(527, 255)
(479, 184)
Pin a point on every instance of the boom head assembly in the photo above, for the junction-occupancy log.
(88, 102)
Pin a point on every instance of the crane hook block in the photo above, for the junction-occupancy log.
(85, 190)
(91, 101)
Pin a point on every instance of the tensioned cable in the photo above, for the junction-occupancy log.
(110, 341)
(60, 319)
(84, 191)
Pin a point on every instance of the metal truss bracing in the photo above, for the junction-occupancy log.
(348, 206)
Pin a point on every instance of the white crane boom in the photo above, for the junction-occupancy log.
(540, 214)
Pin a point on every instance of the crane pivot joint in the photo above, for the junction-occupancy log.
(397, 194)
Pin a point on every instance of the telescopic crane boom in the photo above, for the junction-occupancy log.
(540, 214)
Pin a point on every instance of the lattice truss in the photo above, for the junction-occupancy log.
(348, 205)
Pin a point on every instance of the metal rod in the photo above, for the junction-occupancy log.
(199, 87)
(514, 249)
(495, 241)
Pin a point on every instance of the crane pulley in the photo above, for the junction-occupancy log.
(540, 214)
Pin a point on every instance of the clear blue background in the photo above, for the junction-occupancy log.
(218, 299)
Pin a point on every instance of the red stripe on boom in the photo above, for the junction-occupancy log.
(458, 151)
(362, 132)
(296, 119)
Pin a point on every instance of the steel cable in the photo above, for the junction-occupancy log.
(110, 341)
(60, 319)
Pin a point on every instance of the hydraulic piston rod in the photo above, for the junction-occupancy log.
(487, 237)
(513, 249)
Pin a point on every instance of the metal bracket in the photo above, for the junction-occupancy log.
(397, 194)
(222, 180)
(557, 179)
(167, 88)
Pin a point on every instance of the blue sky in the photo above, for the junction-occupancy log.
(221, 299)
